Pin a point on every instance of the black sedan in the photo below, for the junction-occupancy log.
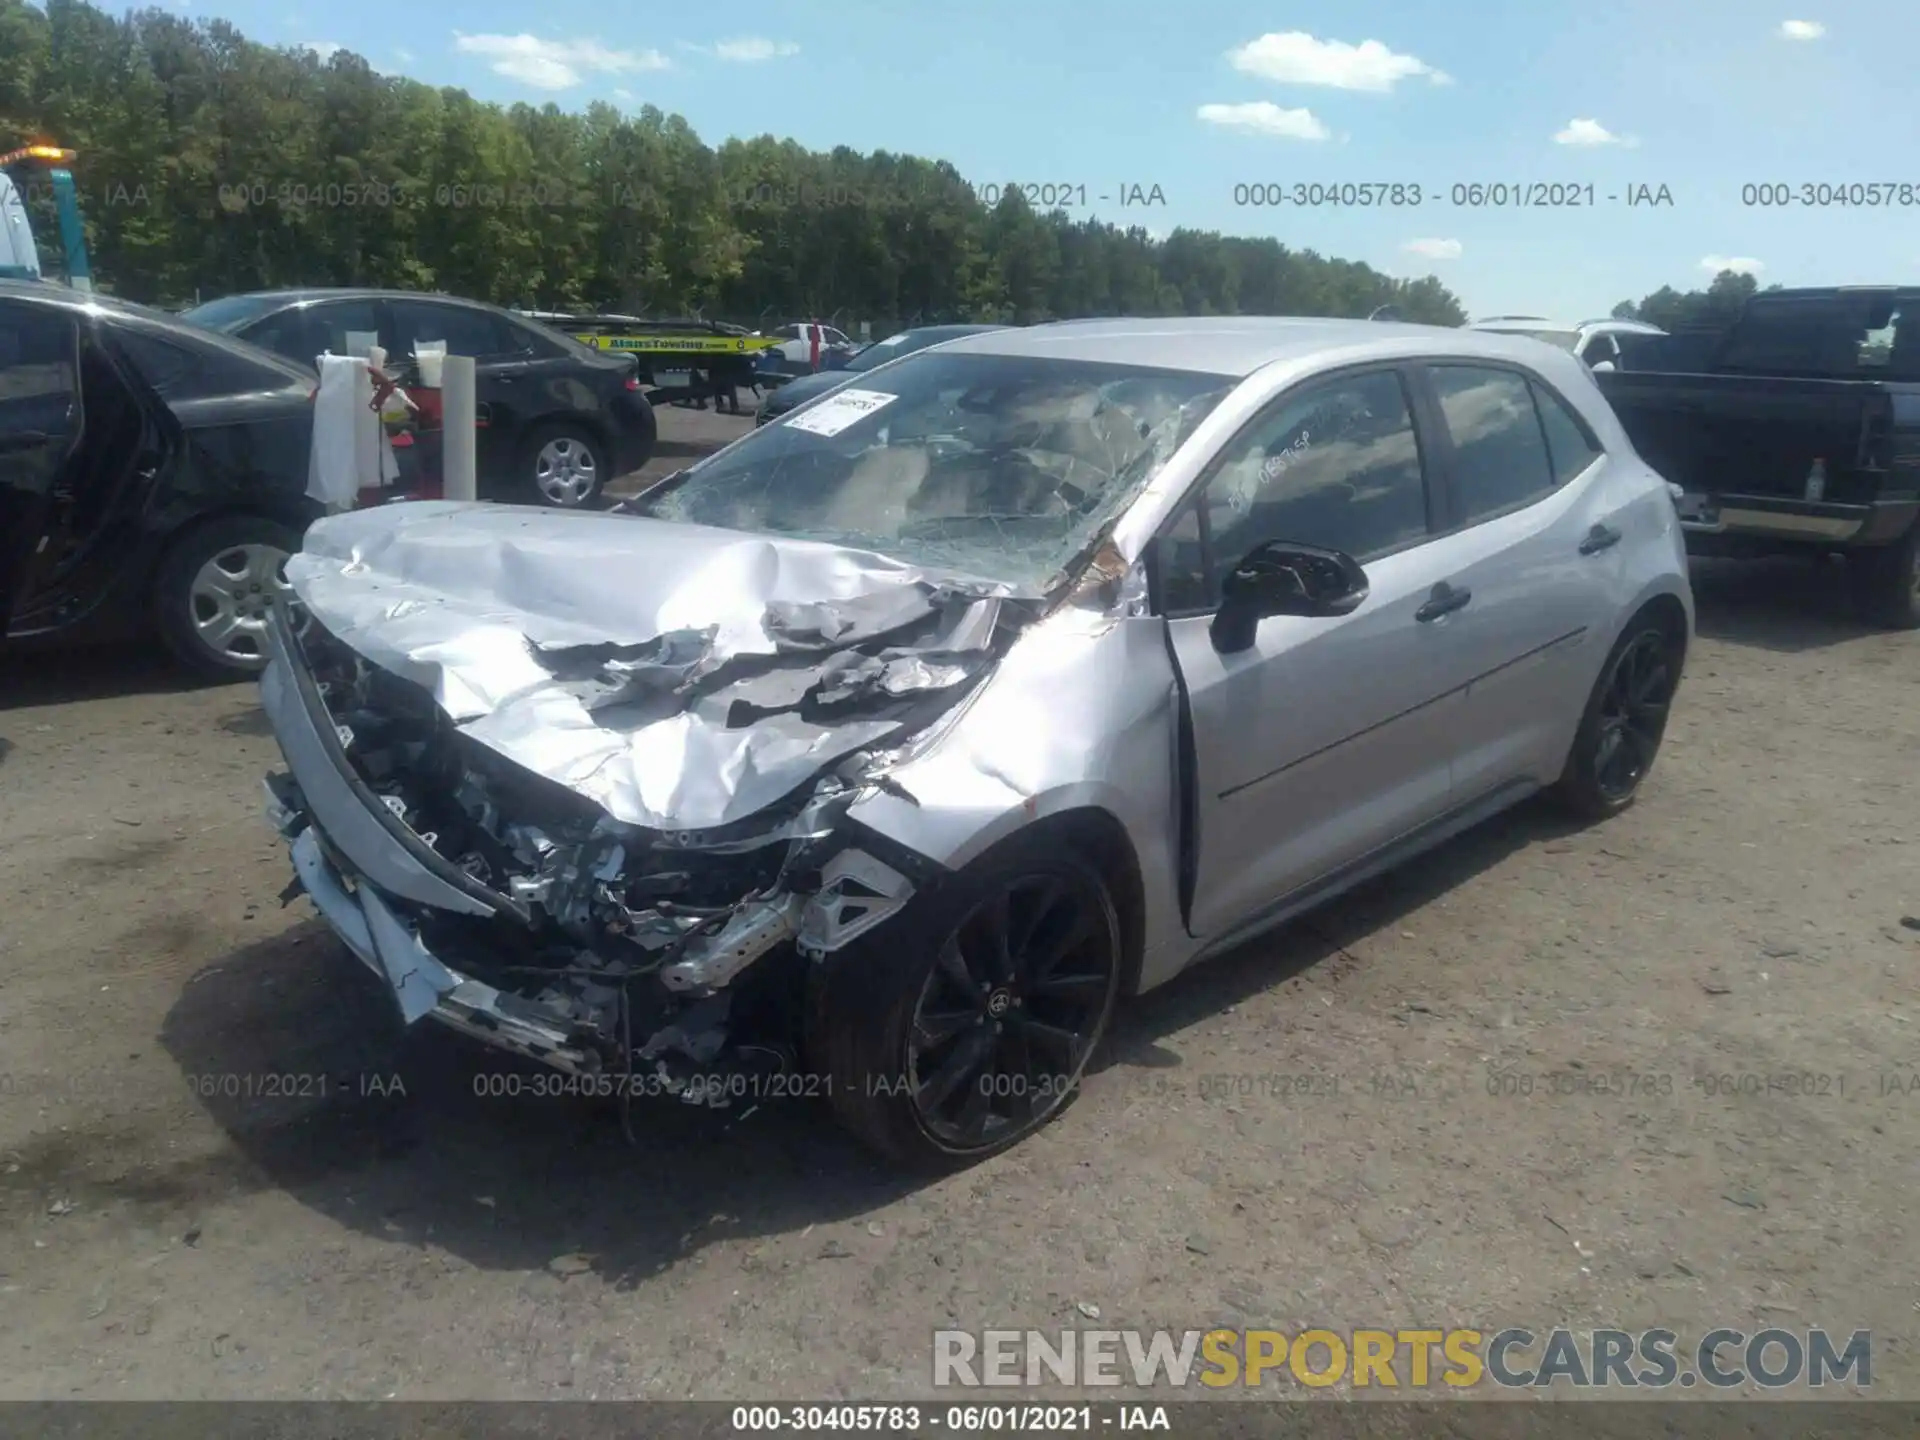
(152, 478)
(798, 391)
(558, 419)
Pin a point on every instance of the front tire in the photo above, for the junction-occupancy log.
(1624, 722)
(565, 465)
(214, 590)
(963, 1026)
(1889, 581)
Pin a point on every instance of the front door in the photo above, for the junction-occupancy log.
(40, 425)
(1324, 741)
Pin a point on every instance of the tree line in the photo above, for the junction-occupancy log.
(1713, 308)
(211, 164)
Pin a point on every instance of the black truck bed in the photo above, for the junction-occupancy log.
(1759, 435)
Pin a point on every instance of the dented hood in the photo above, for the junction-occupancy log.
(679, 677)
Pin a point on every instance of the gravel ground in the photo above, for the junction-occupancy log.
(165, 1233)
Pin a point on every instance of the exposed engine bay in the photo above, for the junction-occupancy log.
(672, 952)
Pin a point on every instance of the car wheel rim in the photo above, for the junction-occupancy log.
(564, 470)
(1018, 996)
(231, 597)
(1633, 714)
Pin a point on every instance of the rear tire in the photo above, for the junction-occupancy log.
(1625, 719)
(1888, 578)
(564, 464)
(938, 1068)
(213, 591)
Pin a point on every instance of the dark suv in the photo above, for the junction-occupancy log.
(557, 419)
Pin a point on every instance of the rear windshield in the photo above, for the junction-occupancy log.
(1564, 339)
(1861, 336)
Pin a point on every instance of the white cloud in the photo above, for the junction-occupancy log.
(1296, 58)
(1801, 30)
(1739, 264)
(751, 49)
(1433, 249)
(555, 64)
(620, 92)
(1263, 117)
(405, 57)
(1588, 132)
(325, 49)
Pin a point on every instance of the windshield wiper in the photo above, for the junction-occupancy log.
(630, 505)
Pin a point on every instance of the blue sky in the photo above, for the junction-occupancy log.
(1703, 97)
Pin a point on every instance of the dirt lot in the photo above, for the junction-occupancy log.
(164, 1233)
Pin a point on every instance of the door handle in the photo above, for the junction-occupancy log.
(1600, 537)
(1442, 600)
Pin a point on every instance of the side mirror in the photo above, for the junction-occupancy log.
(1282, 578)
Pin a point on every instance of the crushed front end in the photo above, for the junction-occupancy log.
(515, 909)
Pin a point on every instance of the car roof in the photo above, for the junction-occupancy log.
(308, 293)
(169, 324)
(954, 330)
(1236, 345)
(1516, 324)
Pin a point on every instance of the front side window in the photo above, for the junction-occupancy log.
(1004, 467)
(1336, 466)
(1500, 459)
(302, 333)
(39, 376)
(179, 370)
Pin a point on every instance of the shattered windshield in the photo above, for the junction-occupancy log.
(1005, 467)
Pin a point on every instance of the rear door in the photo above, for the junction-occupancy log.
(1327, 739)
(1534, 544)
(507, 393)
(40, 425)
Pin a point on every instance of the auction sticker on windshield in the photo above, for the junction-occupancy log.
(839, 410)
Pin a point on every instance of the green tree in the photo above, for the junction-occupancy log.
(209, 164)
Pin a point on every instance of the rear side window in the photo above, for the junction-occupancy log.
(1500, 459)
(464, 330)
(180, 371)
(1569, 445)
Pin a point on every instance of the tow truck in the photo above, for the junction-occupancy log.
(19, 255)
(679, 359)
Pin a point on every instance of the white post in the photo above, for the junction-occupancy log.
(459, 479)
(367, 434)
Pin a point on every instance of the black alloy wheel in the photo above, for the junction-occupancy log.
(964, 1023)
(1625, 720)
(1010, 1012)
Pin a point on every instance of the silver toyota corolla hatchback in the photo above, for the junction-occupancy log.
(877, 756)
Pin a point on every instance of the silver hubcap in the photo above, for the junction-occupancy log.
(564, 471)
(231, 598)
